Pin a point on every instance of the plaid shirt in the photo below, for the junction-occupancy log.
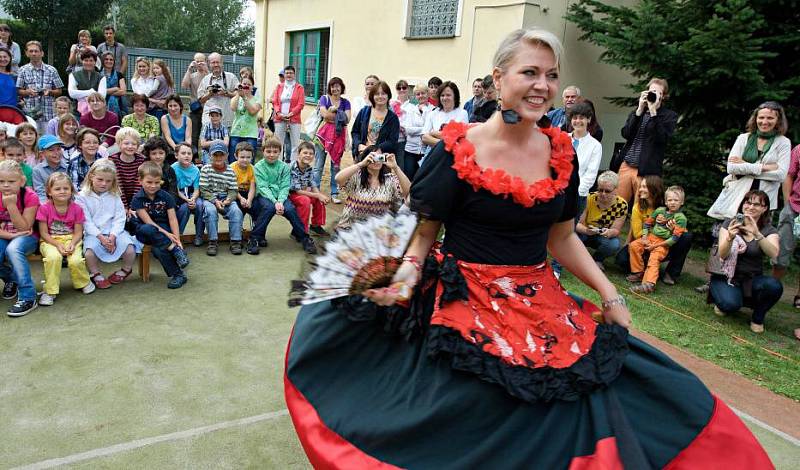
(44, 78)
(301, 180)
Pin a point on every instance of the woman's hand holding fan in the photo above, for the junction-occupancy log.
(403, 283)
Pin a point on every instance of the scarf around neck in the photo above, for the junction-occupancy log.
(751, 148)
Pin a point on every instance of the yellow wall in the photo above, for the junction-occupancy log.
(367, 37)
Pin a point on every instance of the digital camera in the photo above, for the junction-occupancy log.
(652, 96)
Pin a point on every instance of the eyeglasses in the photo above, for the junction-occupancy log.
(606, 191)
(753, 203)
(402, 88)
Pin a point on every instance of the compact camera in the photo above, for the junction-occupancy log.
(652, 96)
(379, 157)
(739, 218)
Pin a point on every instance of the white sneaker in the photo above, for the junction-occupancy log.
(336, 200)
(47, 299)
(89, 288)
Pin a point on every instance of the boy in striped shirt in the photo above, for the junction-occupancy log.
(218, 190)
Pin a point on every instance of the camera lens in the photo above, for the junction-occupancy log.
(651, 96)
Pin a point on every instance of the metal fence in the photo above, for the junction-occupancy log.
(178, 61)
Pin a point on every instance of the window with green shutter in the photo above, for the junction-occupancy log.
(308, 53)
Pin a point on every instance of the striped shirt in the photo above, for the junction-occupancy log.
(632, 157)
(128, 176)
(218, 184)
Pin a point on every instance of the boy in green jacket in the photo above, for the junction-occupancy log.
(273, 180)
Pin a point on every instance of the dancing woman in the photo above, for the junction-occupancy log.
(495, 364)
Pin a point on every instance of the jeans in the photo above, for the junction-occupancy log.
(603, 247)
(411, 164)
(230, 212)
(256, 211)
(16, 251)
(234, 140)
(182, 212)
(289, 213)
(581, 208)
(320, 156)
(150, 235)
(766, 292)
(197, 124)
(675, 258)
(294, 136)
(787, 241)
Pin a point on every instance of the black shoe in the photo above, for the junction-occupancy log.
(177, 281)
(252, 247)
(180, 257)
(319, 230)
(309, 246)
(22, 307)
(262, 243)
(10, 290)
(296, 238)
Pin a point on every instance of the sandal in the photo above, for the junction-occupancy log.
(643, 288)
(99, 281)
(635, 277)
(796, 301)
(119, 276)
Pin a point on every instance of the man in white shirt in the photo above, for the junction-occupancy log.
(195, 73)
(217, 89)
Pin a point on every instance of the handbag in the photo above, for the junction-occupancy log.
(714, 263)
(312, 122)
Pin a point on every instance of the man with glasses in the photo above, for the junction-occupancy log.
(216, 89)
(602, 220)
(195, 72)
(38, 84)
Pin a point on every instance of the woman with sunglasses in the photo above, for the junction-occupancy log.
(745, 242)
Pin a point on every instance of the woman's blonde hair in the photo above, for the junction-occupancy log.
(102, 165)
(509, 47)
(85, 32)
(11, 166)
(136, 68)
(58, 177)
(128, 133)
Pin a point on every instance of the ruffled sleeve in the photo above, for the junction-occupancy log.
(436, 186)
(571, 194)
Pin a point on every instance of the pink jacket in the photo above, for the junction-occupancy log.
(295, 104)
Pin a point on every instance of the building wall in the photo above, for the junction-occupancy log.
(368, 37)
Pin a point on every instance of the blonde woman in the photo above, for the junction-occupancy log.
(142, 82)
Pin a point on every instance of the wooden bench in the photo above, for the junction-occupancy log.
(144, 257)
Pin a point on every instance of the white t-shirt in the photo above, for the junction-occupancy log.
(590, 153)
(438, 118)
(413, 122)
(286, 97)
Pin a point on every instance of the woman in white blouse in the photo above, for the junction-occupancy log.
(143, 82)
(413, 122)
(588, 149)
(447, 111)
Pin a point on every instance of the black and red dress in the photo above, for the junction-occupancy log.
(494, 364)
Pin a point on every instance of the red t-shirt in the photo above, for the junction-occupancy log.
(101, 125)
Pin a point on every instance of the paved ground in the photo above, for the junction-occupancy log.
(143, 377)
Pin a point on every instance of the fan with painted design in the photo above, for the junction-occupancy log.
(365, 256)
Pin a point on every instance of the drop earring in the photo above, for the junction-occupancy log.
(509, 115)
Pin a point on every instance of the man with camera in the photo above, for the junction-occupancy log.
(647, 131)
(38, 84)
(216, 89)
(195, 73)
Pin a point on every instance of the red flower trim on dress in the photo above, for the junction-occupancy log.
(498, 181)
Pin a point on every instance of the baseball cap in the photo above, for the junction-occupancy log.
(47, 141)
(214, 109)
(280, 74)
(218, 146)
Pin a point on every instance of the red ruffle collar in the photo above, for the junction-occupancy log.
(498, 181)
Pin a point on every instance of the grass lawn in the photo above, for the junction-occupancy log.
(725, 341)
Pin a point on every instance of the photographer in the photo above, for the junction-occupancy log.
(647, 131)
(195, 73)
(38, 84)
(374, 185)
(245, 107)
(217, 88)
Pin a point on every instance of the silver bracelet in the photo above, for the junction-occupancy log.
(619, 300)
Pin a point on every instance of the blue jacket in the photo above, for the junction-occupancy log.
(387, 137)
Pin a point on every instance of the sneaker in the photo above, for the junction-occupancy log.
(46, 299)
(320, 231)
(702, 289)
(635, 277)
(180, 257)
(718, 312)
(89, 288)
(296, 238)
(236, 247)
(262, 243)
(10, 290)
(22, 307)
(177, 281)
(252, 247)
(667, 279)
(198, 241)
(212, 248)
(309, 246)
(336, 200)
(756, 328)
